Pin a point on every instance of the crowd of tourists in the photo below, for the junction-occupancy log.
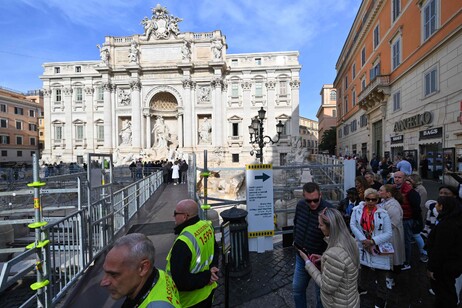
(367, 241)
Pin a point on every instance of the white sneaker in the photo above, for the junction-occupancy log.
(406, 267)
(390, 283)
(431, 291)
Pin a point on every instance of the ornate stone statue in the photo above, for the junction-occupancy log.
(204, 94)
(186, 51)
(104, 53)
(161, 24)
(217, 46)
(126, 132)
(161, 134)
(124, 98)
(205, 130)
(133, 53)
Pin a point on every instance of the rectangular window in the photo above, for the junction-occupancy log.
(78, 95)
(363, 83)
(397, 101)
(346, 83)
(19, 153)
(376, 36)
(58, 132)
(4, 139)
(100, 94)
(18, 110)
(396, 52)
(32, 153)
(57, 70)
(282, 159)
(2, 108)
(235, 129)
(363, 56)
(58, 95)
(32, 127)
(18, 125)
(18, 140)
(235, 158)
(283, 88)
(353, 71)
(396, 9)
(235, 90)
(353, 97)
(363, 120)
(78, 69)
(258, 89)
(31, 113)
(4, 153)
(431, 81)
(257, 61)
(429, 19)
(375, 71)
(32, 141)
(79, 132)
(340, 133)
(100, 132)
(234, 61)
(3, 123)
(346, 105)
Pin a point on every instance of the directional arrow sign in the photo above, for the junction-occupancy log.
(260, 206)
(263, 177)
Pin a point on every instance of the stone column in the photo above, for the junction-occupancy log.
(295, 96)
(90, 135)
(148, 128)
(69, 126)
(187, 115)
(136, 116)
(217, 130)
(180, 128)
(108, 130)
(47, 108)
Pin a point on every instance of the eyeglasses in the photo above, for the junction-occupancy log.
(312, 200)
(178, 213)
(371, 199)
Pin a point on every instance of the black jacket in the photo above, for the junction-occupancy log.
(306, 231)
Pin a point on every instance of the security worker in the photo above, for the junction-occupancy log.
(129, 271)
(192, 261)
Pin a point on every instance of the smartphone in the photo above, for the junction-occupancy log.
(300, 248)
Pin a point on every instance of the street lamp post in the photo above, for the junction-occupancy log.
(256, 133)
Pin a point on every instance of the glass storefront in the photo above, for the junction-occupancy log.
(431, 161)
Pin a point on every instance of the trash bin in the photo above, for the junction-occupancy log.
(240, 261)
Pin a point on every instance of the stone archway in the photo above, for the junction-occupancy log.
(163, 112)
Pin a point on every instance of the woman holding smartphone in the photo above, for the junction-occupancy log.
(336, 271)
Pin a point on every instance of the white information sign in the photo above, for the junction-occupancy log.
(260, 206)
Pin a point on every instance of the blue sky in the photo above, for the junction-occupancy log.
(37, 31)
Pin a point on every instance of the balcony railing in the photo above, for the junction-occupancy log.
(377, 91)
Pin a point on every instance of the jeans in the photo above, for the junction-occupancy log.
(407, 224)
(420, 243)
(300, 283)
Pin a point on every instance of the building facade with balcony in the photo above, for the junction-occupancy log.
(19, 134)
(327, 112)
(399, 86)
(166, 93)
(309, 135)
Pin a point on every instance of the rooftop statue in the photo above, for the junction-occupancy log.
(161, 24)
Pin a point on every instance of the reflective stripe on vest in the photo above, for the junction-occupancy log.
(163, 294)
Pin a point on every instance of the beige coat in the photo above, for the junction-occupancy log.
(395, 212)
(338, 280)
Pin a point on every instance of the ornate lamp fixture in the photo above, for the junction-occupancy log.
(256, 133)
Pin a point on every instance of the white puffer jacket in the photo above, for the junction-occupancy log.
(382, 233)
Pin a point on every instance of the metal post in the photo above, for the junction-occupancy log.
(41, 243)
(261, 144)
(205, 174)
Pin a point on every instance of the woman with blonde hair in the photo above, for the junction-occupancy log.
(337, 273)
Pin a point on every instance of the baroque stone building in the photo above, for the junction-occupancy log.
(166, 93)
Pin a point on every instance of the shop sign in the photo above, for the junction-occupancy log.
(397, 139)
(413, 122)
(431, 133)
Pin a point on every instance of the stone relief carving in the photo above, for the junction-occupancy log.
(133, 53)
(107, 86)
(270, 84)
(161, 24)
(67, 91)
(246, 85)
(295, 84)
(104, 53)
(126, 133)
(203, 95)
(204, 131)
(186, 50)
(47, 92)
(89, 90)
(135, 85)
(124, 98)
(217, 82)
(188, 83)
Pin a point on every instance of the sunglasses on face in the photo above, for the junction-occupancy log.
(371, 199)
(312, 200)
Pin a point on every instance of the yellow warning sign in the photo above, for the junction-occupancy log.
(261, 233)
(36, 203)
(258, 166)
